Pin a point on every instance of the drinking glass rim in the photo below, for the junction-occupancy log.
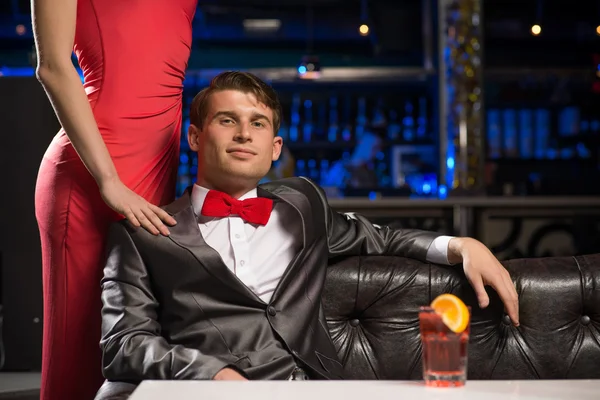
(428, 309)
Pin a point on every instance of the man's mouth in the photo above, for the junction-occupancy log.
(239, 150)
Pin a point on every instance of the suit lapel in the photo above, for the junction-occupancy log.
(301, 204)
(187, 235)
(298, 201)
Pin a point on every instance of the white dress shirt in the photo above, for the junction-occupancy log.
(259, 255)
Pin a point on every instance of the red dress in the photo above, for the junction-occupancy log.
(133, 55)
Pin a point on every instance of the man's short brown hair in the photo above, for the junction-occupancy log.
(241, 81)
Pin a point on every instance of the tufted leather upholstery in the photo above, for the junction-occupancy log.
(371, 304)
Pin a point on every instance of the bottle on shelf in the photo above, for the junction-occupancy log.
(308, 126)
(408, 122)
(284, 131)
(313, 172)
(526, 133)
(333, 131)
(361, 118)
(394, 129)
(494, 134)
(422, 125)
(510, 133)
(321, 127)
(323, 171)
(295, 119)
(379, 118)
(301, 168)
(347, 120)
(542, 133)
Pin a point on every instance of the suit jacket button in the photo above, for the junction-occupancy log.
(271, 310)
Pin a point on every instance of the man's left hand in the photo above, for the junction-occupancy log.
(482, 268)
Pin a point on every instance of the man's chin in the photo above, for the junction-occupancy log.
(240, 175)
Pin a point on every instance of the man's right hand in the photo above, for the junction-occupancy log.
(228, 374)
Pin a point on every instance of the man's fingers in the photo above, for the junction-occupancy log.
(512, 302)
(478, 286)
(507, 296)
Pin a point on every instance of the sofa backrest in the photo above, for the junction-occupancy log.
(371, 305)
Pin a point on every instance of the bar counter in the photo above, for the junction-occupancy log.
(511, 225)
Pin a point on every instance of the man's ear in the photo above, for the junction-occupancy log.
(277, 144)
(194, 137)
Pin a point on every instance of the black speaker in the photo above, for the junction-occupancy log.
(27, 126)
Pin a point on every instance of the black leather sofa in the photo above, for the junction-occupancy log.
(372, 303)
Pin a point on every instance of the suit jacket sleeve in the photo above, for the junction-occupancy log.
(353, 234)
(132, 345)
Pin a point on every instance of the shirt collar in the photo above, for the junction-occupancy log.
(199, 195)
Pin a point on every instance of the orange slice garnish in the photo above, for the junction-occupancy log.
(453, 311)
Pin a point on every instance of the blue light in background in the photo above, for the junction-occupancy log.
(302, 69)
(450, 165)
(450, 128)
(426, 188)
(372, 196)
(16, 71)
(442, 192)
(583, 151)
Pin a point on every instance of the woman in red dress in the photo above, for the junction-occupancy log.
(116, 155)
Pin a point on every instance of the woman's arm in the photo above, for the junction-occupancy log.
(54, 30)
(54, 24)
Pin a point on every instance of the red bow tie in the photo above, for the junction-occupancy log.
(255, 211)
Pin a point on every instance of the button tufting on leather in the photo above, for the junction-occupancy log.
(541, 348)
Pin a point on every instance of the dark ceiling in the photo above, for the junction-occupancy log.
(397, 28)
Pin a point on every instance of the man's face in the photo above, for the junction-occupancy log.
(237, 144)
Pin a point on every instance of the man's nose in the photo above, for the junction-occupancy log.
(243, 133)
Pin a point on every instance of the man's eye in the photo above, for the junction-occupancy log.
(226, 121)
(259, 124)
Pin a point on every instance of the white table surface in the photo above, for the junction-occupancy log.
(367, 390)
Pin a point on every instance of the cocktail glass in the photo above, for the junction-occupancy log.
(444, 351)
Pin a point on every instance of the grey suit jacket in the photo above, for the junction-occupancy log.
(173, 310)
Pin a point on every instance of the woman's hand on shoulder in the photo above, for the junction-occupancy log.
(135, 208)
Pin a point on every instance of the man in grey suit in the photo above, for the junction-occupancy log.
(234, 291)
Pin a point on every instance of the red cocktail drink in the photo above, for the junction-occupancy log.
(444, 351)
